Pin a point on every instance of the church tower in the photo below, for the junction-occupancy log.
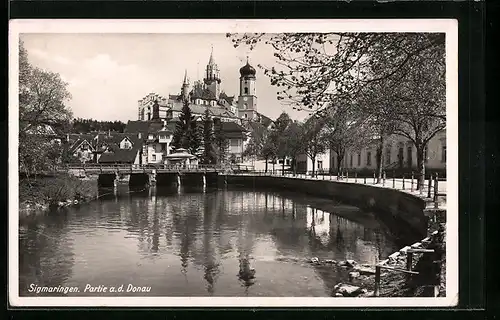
(212, 77)
(247, 99)
(185, 87)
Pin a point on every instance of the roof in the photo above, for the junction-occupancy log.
(224, 96)
(201, 108)
(120, 156)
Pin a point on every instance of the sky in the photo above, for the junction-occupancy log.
(108, 73)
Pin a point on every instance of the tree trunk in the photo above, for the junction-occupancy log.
(283, 167)
(340, 157)
(313, 159)
(420, 166)
(378, 159)
(274, 163)
(266, 159)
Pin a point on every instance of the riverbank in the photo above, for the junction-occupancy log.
(37, 195)
(359, 279)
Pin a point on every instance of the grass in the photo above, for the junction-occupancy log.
(51, 190)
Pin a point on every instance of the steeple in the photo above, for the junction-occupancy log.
(185, 87)
(211, 61)
(212, 77)
(186, 81)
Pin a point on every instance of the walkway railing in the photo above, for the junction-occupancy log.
(433, 188)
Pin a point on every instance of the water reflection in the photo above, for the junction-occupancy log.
(195, 243)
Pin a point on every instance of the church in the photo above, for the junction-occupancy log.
(239, 117)
(207, 94)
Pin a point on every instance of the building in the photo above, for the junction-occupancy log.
(238, 116)
(109, 148)
(399, 154)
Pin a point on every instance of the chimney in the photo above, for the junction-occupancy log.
(139, 135)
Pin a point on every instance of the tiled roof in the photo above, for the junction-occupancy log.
(200, 109)
(120, 156)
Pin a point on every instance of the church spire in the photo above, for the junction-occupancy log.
(211, 61)
(186, 81)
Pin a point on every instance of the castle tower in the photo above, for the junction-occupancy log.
(212, 76)
(247, 99)
(185, 87)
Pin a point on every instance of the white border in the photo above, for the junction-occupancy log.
(449, 26)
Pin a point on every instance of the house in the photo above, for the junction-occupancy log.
(111, 147)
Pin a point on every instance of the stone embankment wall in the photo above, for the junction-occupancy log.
(401, 212)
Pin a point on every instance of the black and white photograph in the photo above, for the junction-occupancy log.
(250, 163)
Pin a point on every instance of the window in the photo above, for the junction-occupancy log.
(443, 153)
(320, 165)
(246, 115)
(153, 157)
(235, 142)
(359, 159)
(388, 156)
(246, 90)
(410, 156)
(350, 160)
(368, 158)
(163, 147)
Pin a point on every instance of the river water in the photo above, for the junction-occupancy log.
(197, 243)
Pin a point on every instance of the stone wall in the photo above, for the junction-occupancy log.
(403, 213)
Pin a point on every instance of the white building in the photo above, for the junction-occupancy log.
(399, 154)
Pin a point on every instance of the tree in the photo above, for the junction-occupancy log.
(280, 139)
(344, 129)
(186, 134)
(42, 98)
(313, 139)
(221, 142)
(293, 142)
(209, 155)
(313, 69)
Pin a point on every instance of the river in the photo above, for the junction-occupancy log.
(198, 243)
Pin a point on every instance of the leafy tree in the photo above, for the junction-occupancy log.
(42, 97)
(313, 139)
(344, 129)
(209, 155)
(294, 142)
(314, 69)
(186, 134)
(221, 142)
(279, 137)
(257, 139)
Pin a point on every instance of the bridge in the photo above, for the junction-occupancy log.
(160, 174)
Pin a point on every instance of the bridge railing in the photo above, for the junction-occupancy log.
(159, 167)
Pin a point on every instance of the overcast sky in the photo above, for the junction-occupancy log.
(109, 73)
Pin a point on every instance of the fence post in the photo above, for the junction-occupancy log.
(355, 177)
(436, 190)
(409, 263)
(403, 181)
(376, 292)
(374, 181)
(393, 179)
(364, 179)
(429, 186)
(383, 179)
(411, 181)
(347, 176)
